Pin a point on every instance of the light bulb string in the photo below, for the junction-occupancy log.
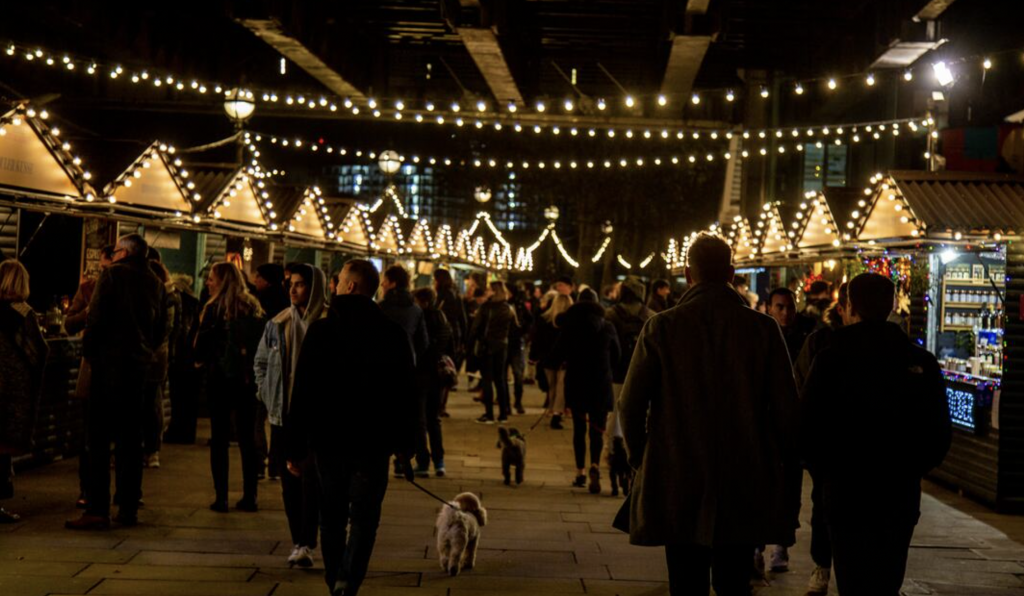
(394, 108)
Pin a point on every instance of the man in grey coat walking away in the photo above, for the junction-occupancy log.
(709, 413)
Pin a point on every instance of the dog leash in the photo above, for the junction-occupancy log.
(432, 495)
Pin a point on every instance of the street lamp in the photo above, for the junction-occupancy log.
(239, 105)
(482, 194)
(551, 213)
(607, 227)
(389, 162)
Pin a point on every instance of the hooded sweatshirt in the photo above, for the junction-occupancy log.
(278, 353)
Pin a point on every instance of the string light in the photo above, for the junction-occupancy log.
(832, 84)
(663, 101)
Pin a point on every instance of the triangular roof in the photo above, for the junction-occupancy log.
(355, 227)
(815, 225)
(34, 159)
(499, 256)
(156, 179)
(443, 243)
(888, 215)
(744, 242)
(420, 242)
(307, 218)
(772, 232)
(243, 200)
(389, 237)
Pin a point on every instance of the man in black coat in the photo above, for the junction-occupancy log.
(876, 420)
(127, 322)
(353, 406)
(399, 306)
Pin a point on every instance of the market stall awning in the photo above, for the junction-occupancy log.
(243, 200)
(773, 237)
(420, 242)
(34, 160)
(355, 227)
(815, 225)
(307, 217)
(741, 237)
(444, 242)
(908, 205)
(966, 202)
(157, 180)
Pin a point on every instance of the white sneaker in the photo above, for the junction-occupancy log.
(152, 460)
(818, 583)
(296, 553)
(779, 560)
(303, 556)
(758, 569)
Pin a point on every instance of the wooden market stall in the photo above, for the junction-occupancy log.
(963, 229)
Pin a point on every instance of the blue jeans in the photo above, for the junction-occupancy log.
(351, 492)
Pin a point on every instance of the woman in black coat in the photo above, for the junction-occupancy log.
(23, 354)
(230, 329)
(588, 345)
(432, 391)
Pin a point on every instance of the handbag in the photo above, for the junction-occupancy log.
(447, 372)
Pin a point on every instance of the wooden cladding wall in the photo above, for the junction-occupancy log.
(1011, 405)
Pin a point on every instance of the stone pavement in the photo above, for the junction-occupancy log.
(543, 537)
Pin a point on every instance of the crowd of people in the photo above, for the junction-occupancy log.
(720, 407)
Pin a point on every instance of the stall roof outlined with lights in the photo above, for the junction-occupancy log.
(35, 161)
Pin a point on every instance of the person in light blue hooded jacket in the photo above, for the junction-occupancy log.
(274, 366)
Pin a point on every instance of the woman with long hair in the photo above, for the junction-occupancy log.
(230, 328)
(541, 351)
(23, 354)
(450, 303)
(490, 340)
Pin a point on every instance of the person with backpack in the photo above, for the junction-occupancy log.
(230, 328)
(628, 316)
(430, 370)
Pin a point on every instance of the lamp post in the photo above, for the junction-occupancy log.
(389, 162)
(551, 213)
(482, 194)
(239, 106)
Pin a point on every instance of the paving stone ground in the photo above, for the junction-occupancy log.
(542, 538)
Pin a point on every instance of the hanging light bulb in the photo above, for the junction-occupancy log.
(695, 99)
(764, 92)
(987, 64)
(568, 105)
(540, 106)
(908, 75)
(832, 84)
(481, 106)
(512, 107)
(630, 102)
(729, 95)
(799, 89)
(870, 80)
(456, 107)
(601, 105)
(662, 100)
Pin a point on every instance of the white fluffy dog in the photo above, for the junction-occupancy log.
(458, 532)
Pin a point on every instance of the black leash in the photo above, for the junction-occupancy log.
(435, 497)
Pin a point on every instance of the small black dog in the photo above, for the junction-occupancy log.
(621, 473)
(513, 453)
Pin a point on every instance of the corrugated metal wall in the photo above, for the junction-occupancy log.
(9, 231)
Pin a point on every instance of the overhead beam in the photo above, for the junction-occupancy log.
(684, 62)
(933, 9)
(483, 46)
(291, 48)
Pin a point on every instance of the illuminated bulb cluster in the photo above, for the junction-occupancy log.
(25, 115)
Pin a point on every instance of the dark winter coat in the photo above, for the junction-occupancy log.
(127, 318)
(273, 299)
(589, 347)
(399, 306)
(814, 345)
(545, 336)
(628, 318)
(23, 352)
(440, 333)
(796, 334)
(226, 349)
(887, 422)
(455, 311)
(354, 391)
(657, 303)
(709, 415)
(491, 325)
(520, 328)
